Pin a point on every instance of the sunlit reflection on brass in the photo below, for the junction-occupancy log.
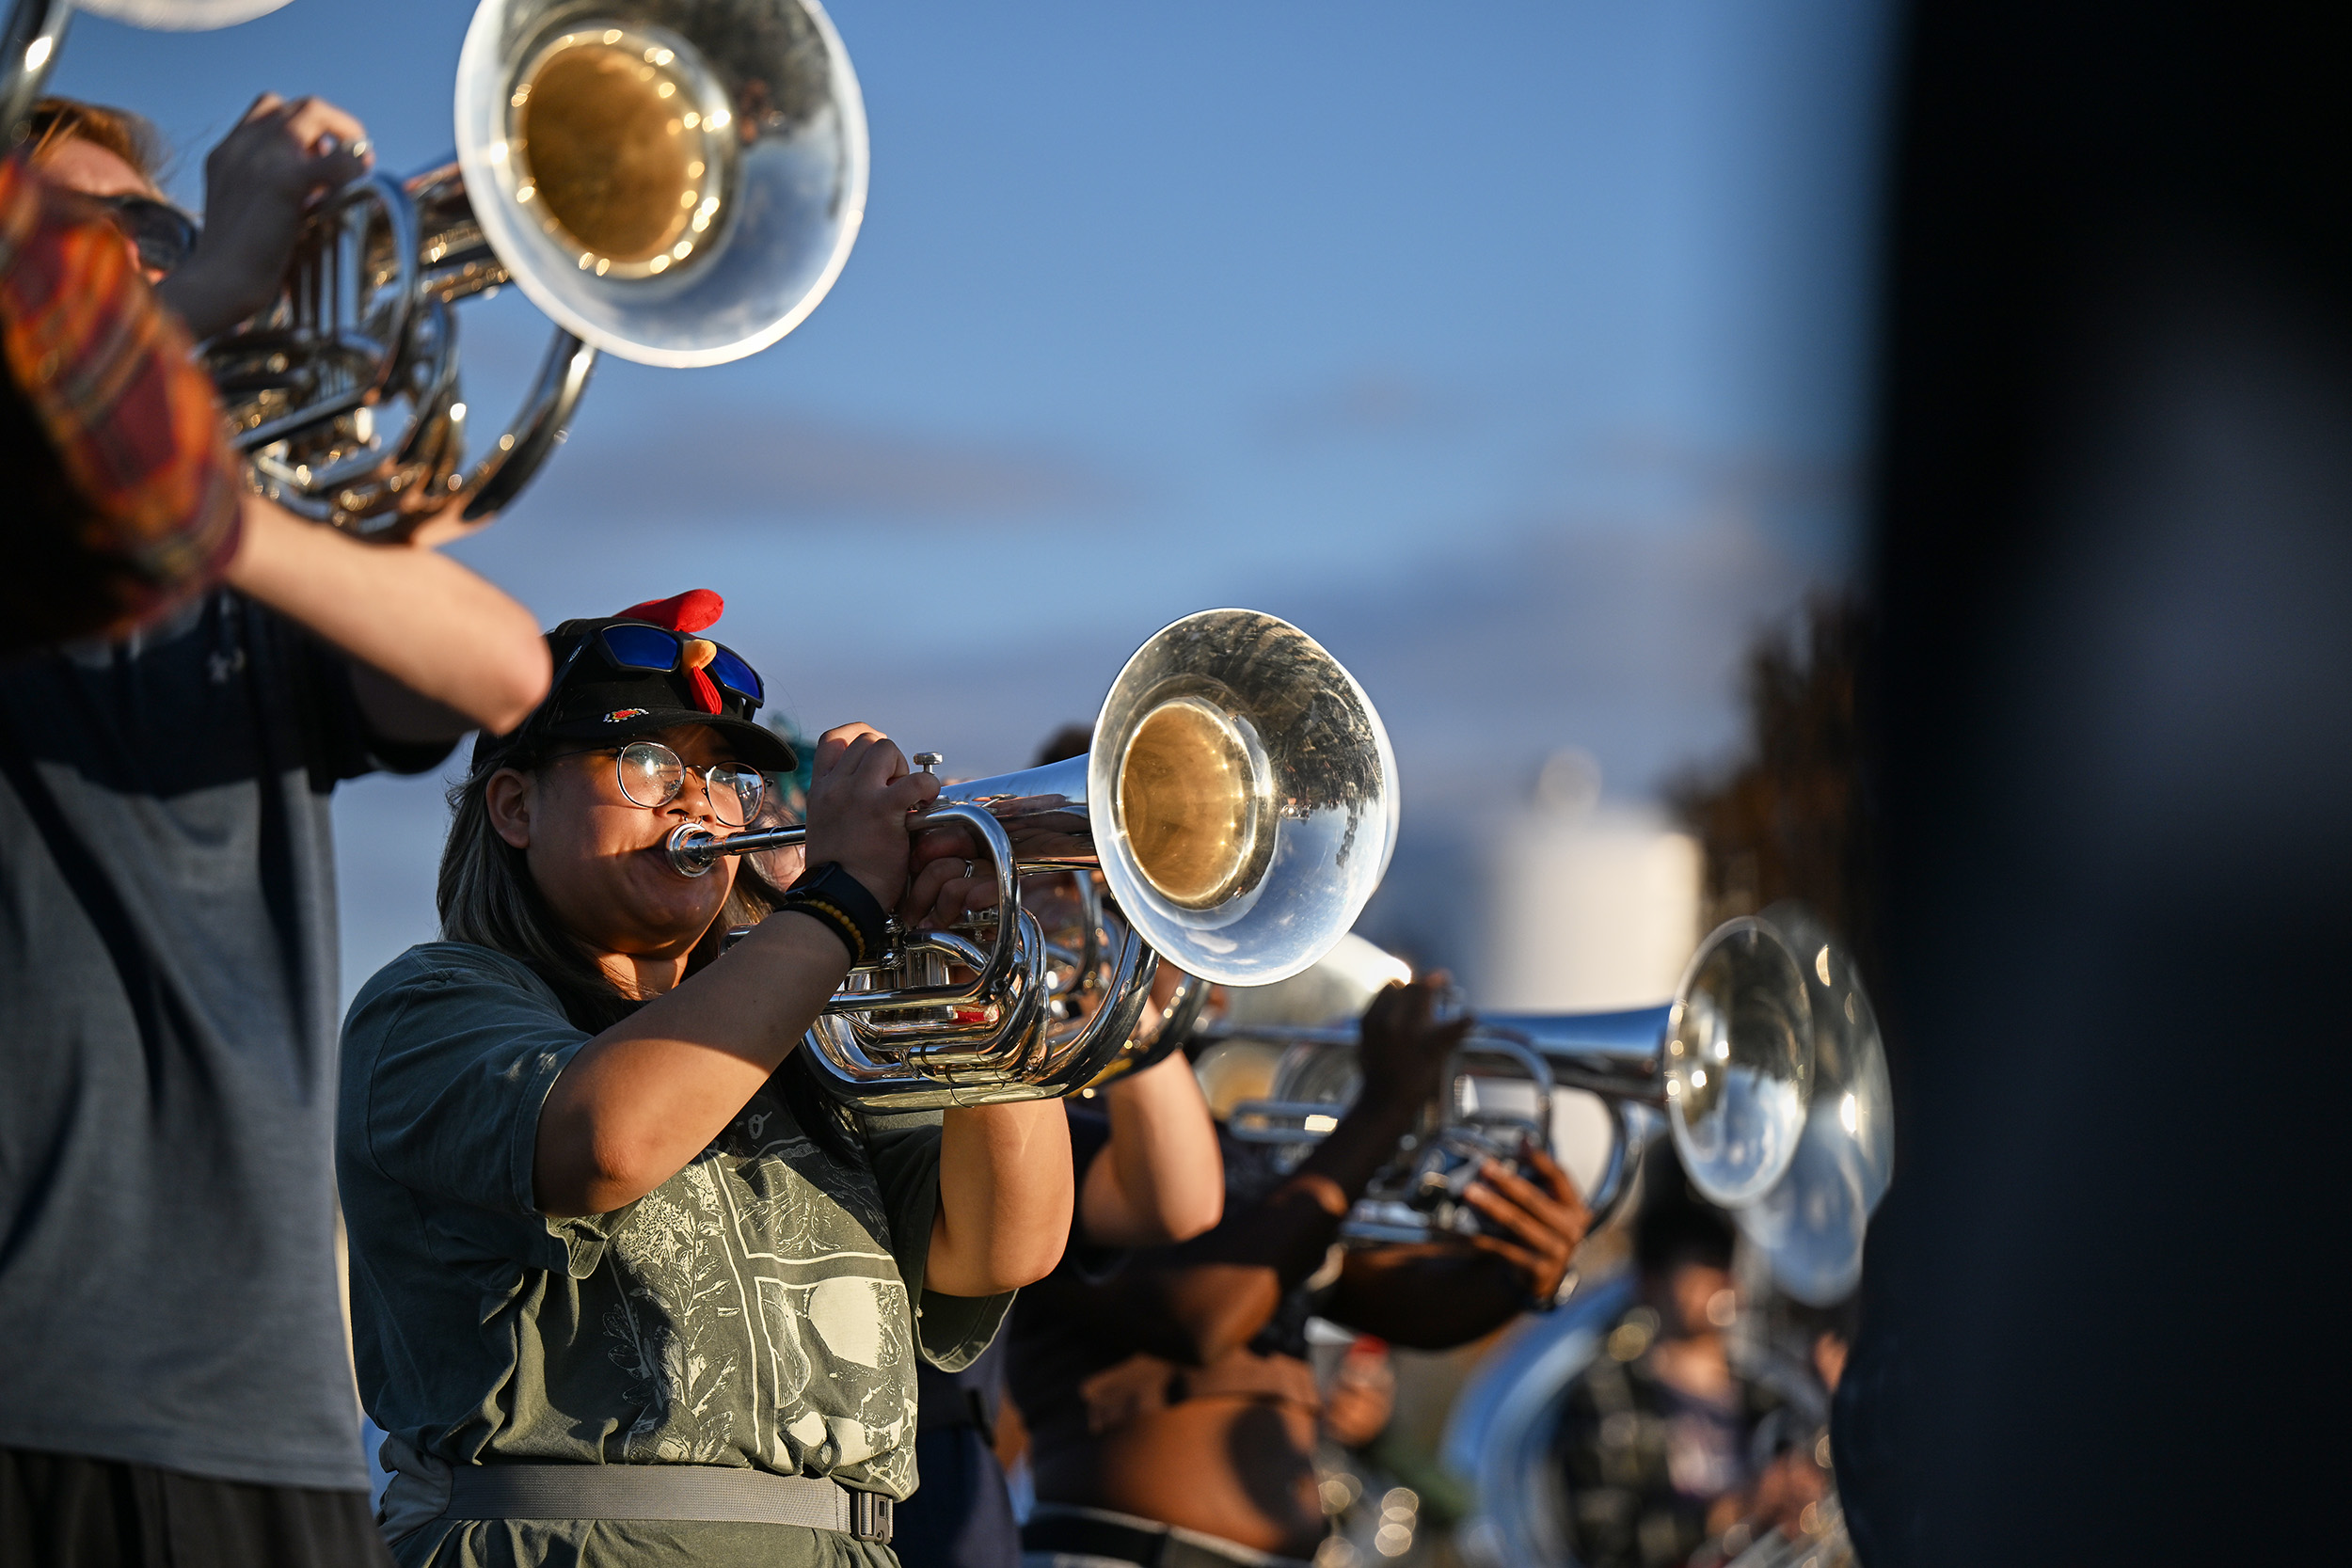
(1188, 797)
(1738, 1060)
(616, 136)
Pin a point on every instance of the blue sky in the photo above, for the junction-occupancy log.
(1517, 350)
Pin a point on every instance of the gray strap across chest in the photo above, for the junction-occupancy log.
(708, 1491)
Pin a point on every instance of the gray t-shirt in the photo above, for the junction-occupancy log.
(753, 1310)
(168, 997)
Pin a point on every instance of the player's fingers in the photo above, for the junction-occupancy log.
(1510, 1215)
(314, 120)
(1518, 1257)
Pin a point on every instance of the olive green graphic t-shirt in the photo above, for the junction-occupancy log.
(761, 1308)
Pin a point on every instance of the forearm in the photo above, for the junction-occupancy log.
(1365, 1139)
(1216, 1293)
(1004, 1198)
(1240, 1271)
(1293, 1229)
(647, 1095)
(1160, 1179)
(414, 616)
(1426, 1297)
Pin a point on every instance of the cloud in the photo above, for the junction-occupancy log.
(789, 467)
(1624, 641)
(1370, 403)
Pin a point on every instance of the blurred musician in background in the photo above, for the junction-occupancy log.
(1672, 1454)
(1173, 1412)
(1151, 1176)
(179, 1389)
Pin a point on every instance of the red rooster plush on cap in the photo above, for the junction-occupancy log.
(696, 609)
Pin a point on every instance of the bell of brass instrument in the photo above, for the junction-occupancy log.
(676, 182)
(1811, 1223)
(36, 31)
(1765, 1066)
(1239, 805)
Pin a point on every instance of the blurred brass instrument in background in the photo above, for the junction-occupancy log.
(676, 182)
(1239, 806)
(1765, 1066)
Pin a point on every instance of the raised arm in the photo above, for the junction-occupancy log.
(1160, 1179)
(1198, 1301)
(257, 184)
(1004, 1198)
(437, 649)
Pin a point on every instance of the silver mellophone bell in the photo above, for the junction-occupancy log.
(1239, 806)
(676, 182)
(1765, 1066)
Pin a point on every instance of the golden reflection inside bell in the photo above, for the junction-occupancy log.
(615, 163)
(1187, 799)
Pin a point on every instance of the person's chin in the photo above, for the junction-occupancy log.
(657, 886)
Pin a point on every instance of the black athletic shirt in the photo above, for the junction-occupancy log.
(167, 1001)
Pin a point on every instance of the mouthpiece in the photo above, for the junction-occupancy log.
(693, 850)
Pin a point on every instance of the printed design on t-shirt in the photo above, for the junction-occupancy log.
(762, 1312)
(670, 1325)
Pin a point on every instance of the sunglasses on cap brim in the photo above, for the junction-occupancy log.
(657, 650)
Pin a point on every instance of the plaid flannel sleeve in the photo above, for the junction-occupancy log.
(125, 493)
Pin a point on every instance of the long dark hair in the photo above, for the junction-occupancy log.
(487, 896)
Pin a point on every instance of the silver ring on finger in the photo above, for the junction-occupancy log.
(968, 872)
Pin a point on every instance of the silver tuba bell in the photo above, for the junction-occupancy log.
(1767, 1067)
(676, 182)
(1239, 805)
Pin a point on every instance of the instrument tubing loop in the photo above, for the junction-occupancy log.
(698, 1492)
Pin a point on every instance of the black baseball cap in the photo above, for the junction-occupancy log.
(618, 678)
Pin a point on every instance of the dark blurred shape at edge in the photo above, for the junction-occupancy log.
(1791, 817)
(2114, 584)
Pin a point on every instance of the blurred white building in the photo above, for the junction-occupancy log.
(1590, 905)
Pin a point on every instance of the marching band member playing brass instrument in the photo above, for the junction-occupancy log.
(1172, 1411)
(627, 1287)
(168, 970)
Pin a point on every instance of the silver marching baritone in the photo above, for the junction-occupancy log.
(676, 182)
(1239, 805)
(1766, 1065)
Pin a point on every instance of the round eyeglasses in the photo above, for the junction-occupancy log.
(651, 775)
